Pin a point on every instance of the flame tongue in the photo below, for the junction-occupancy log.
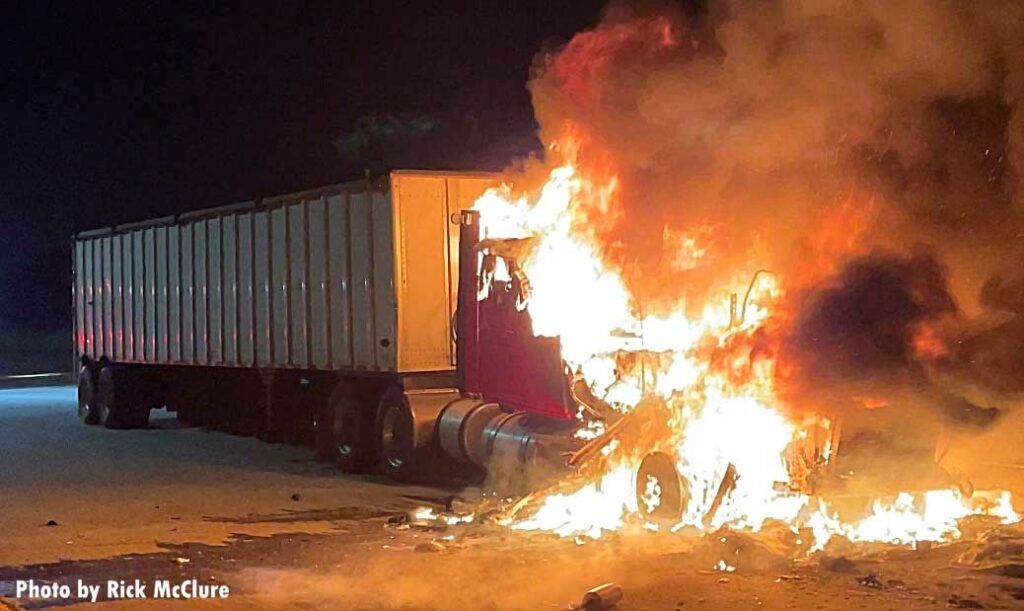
(713, 374)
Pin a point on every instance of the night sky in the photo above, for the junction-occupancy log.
(120, 111)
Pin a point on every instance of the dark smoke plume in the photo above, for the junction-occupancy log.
(805, 137)
(783, 134)
(860, 326)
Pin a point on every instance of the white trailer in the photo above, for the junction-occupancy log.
(345, 292)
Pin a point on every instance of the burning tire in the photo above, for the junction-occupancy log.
(661, 493)
(87, 411)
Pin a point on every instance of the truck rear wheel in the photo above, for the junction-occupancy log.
(87, 411)
(118, 404)
(343, 429)
(395, 431)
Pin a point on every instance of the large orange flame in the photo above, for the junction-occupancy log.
(715, 372)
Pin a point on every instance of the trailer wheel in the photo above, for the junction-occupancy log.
(323, 431)
(343, 429)
(119, 407)
(399, 457)
(87, 411)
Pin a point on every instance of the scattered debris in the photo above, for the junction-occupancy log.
(52, 523)
(960, 602)
(782, 578)
(1014, 591)
(296, 497)
(871, 580)
(180, 560)
(996, 553)
(427, 519)
(729, 480)
(601, 598)
(429, 547)
(837, 564)
(729, 551)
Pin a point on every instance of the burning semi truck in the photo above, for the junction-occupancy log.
(765, 269)
(436, 318)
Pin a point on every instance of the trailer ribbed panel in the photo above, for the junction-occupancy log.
(202, 289)
(298, 240)
(97, 298)
(361, 260)
(87, 304)
(188, 295)
(116, 329)
(339, 291)
(384, 306)
(162, 290)
(318, 271)
(261, 260)
(348, 277)
(229, 289)
(215, 305)
(79, 296)
(128, 296)
(246, 291)
(174, 294)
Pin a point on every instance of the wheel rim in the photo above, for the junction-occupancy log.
(84, 402)
(339, 433)
(658, 472)
(103, 396)
(86, 396)
(394, 437)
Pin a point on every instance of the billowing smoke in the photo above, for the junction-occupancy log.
(860, 325)
(776, 133)
(796, 135)
(869, 152)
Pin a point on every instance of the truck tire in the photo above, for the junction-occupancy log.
(87, 411)
(400, 458)
(118, 404)
(343, 429)
(323, 432)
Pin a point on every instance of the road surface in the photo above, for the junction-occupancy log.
(191, 506)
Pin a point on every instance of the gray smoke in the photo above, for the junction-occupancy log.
(776, 124)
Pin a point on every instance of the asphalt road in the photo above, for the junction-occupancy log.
(191, 506)
(128, 500)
